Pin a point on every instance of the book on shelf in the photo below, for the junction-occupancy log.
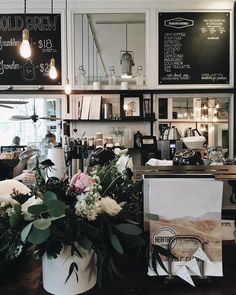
(85, 107)
(95, 107)
(67, 107)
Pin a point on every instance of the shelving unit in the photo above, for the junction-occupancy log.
(114, 121)
(191, 121)
(118, 103)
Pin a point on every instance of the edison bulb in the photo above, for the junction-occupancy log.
(25, 49)
(52, 70)
(67, 88)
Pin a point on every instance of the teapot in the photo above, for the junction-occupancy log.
(191, 132)
(171, 133)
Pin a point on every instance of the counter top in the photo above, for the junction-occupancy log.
(220, 172)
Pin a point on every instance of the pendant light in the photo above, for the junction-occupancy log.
(25, 50)
(82, 74)
(52, 67)
(126, 60)
(67, 86)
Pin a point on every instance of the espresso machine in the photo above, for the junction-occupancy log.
(168, 148)
(170, 142)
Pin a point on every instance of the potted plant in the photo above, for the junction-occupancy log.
(82, 224)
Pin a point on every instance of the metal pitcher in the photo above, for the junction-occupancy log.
(171, 133)
(191, 132)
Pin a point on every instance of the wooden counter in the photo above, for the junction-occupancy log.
(221, 172)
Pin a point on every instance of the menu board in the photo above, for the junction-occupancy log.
(194, 48)
(45, 41)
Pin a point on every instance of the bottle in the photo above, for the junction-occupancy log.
(139, 76)
(29, 70)
(137, 140)
(82, 77)
(112, 77)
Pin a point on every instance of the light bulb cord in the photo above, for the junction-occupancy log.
(67, 78)
(82, 31)
(126, 36)
(24, 6)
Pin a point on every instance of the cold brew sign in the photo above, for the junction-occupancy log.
(45, 41)
(194, 48)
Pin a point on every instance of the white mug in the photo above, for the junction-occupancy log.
(124, 85)
(96, 85)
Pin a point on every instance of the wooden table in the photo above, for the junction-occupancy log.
(26, 279)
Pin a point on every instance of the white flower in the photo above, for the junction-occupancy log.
(24, 207)
(120, 152)
(124, 162)
(109, 206)
(87, 205)
(6, 200)
(7, 186)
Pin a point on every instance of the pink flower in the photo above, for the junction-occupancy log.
(80, 181)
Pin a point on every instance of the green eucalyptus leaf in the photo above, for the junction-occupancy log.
(4, 247)
(37, 209)
(76, 251)
(49, 196)
(134, 240)
(37, 236)
(56, 208)
(15, 216)
(116, 244)
(73, 267)
(116, 270)
(85, 243)
(128, 229)
(42, 223)
(92, 231)
(154, 262)
(164, 251)
(158, 258)
(25, 232)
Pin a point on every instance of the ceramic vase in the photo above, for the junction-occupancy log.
(55, 272)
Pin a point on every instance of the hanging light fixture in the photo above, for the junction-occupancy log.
(52, 67)
(127, 58)
(82, 74)
(67, 86)
(25, 50)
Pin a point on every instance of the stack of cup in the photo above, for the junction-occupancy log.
(109, 142)
(99, 139)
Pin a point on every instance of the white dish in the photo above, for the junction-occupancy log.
(194, 142)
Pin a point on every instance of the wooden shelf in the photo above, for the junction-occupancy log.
(113, 121)
(192, 121)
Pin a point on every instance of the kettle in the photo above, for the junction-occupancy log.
(171, 133)
(191, 132)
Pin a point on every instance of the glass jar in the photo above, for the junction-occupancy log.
(82, 81)
(139, 76)
(112, 77)
(215, 156)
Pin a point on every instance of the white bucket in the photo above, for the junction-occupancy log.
(55, 272)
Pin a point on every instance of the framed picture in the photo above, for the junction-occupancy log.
(131, 106)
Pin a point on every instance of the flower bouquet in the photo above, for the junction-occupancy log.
(97, 212)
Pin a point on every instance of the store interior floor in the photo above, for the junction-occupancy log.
(27, 280)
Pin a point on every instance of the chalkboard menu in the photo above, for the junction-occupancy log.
(45, 41)
(194, 48)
